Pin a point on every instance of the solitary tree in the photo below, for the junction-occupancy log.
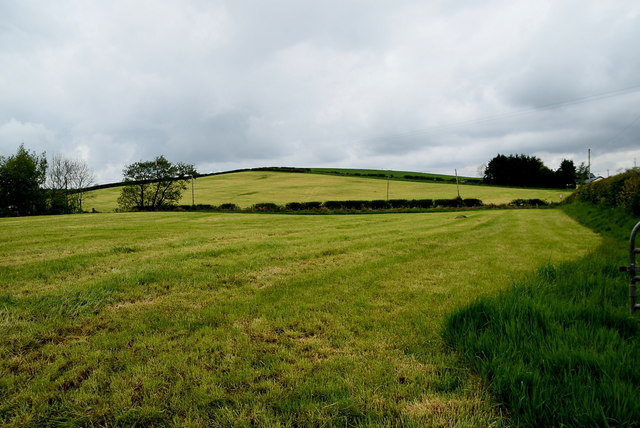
(582, 173)
(67, 179)
(154, 184)
(21, 179)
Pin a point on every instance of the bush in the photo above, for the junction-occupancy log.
(449, 203)
(267, 206)
(422, 203)
(399, 203)
(293, 206)
(536, 203)
(355, 205)
(528, 203)
(311, 205)
(470, 202)
(621, 190)
(229, 207)
(379, 204)
(333, 205)
(198, 207)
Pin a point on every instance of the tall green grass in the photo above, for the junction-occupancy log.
(559, 348)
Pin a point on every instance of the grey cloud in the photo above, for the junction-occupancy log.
(238, 84)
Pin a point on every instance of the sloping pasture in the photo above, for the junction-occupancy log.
(196, 319)
(251, 187)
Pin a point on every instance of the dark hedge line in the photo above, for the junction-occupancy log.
(347, 206)
(355, 206)
(528, 203)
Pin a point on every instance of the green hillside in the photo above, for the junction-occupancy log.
(250, 187)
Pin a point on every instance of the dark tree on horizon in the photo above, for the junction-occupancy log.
(528, 171)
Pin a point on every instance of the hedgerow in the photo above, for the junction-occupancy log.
(622, 190)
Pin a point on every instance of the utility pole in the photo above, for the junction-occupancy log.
(388, 180)
(588, 164)
(193, 192)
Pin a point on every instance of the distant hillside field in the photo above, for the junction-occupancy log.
(250, 187)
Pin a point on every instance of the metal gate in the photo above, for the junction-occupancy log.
(633, 269)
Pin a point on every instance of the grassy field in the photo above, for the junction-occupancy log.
(251, 187)
(196, 319)
(562, 337)
(394, 174)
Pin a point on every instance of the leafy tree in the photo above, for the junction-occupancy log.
(565, 176)
(67, 179)
(582, 173)
(154, 184)
(21, 179)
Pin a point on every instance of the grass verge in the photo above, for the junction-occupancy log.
(559, 347)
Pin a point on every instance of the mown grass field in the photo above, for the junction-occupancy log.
(197, 319)
(251, 187)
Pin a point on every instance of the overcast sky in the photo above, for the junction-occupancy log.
(427, 86)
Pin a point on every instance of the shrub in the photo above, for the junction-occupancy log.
(293, 206)
(629, 195)
(333, 205)
(311, 205)
(470, 202)
(536, 202)
(229, 207)
(449, 203)
(266, 206)
(204, 207)
(356, 205)
(379, 204)
(422, 203)
(399, 203)
(528, 203)
(620, 190)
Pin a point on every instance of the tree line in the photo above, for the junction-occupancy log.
(529, 171)
(32, 185)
